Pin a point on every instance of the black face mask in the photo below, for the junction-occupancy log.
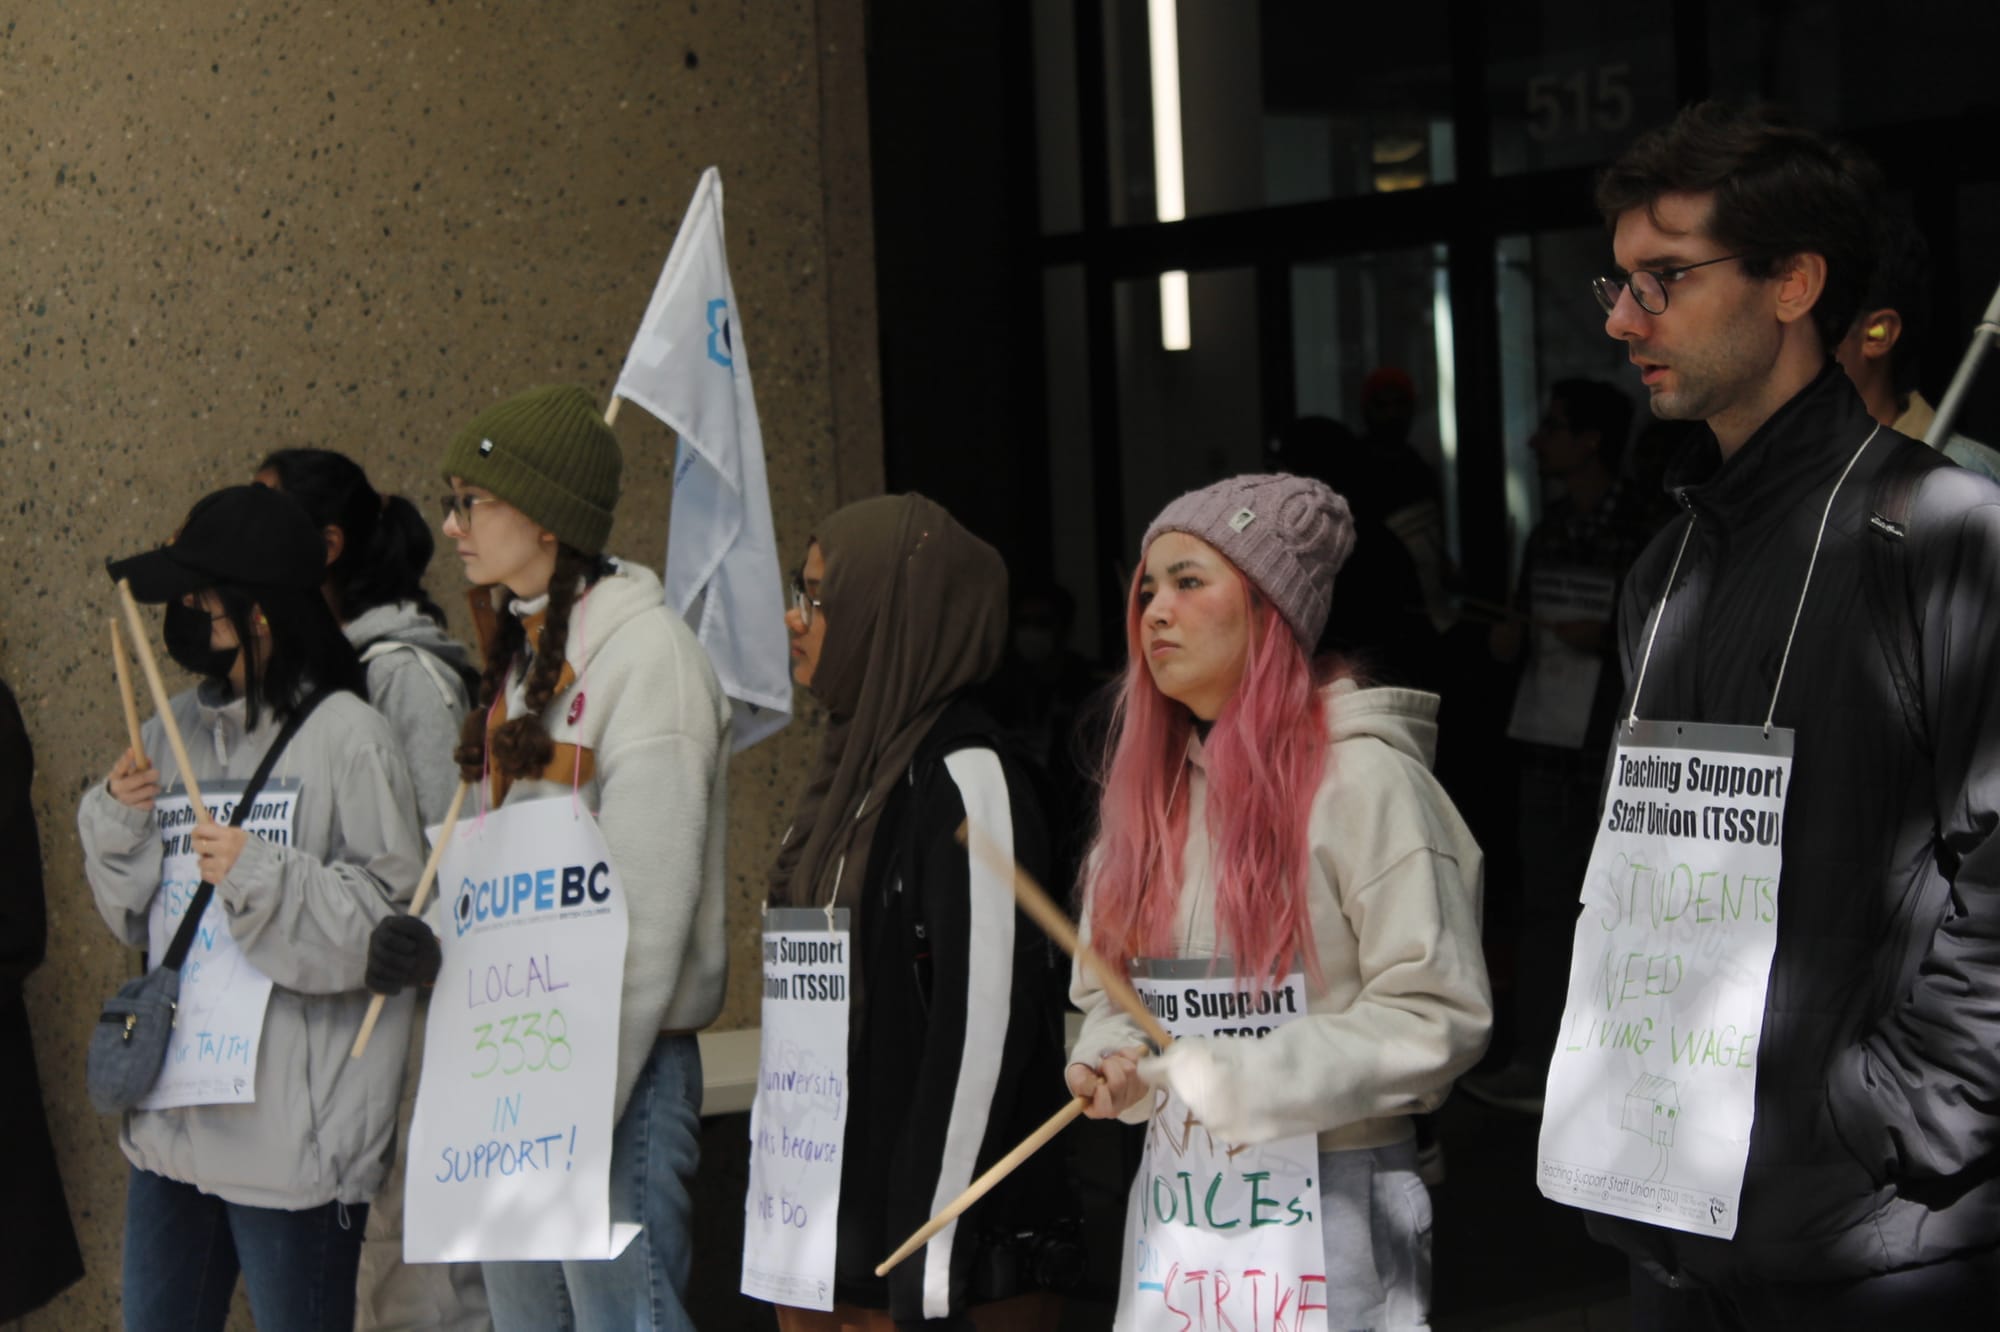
(187, 633)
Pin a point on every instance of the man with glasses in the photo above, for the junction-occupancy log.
(1832, 578)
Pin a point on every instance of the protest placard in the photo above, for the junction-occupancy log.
(799, 1119)
(1652, 1088)
(510, 1146)
(1220, 1234)
(1558, 685)
(219, 1018)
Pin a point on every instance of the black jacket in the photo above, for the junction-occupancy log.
(40, 1256)
(957, 995)
(1876, 1143)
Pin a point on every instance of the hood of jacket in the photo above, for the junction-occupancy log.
(1403, 719)
(403, 622)
(624, 594)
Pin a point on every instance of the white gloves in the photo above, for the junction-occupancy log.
(1206, 1072)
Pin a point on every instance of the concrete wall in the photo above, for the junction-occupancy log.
(231, 228)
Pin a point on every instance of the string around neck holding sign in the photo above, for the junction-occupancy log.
(1798, 611)
(577, 706)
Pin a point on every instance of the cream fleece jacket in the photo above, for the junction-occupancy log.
(655, 721)
(1393, 896)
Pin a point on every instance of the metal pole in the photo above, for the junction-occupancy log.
(1961, 383)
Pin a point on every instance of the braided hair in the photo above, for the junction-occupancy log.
(522, 746)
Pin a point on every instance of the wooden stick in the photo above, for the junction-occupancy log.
(1000, 1169)
(1056, 923)
(611, 412)
(416, 909)
(139, 759)
(161, 706)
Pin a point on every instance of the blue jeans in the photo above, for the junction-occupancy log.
(653, 1158)
(1375, 1223)
(183, 1249)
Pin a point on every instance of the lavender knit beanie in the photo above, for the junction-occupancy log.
(1288, 535)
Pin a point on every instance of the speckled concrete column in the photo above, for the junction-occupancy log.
(232, 228)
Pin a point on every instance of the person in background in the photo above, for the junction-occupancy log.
(1883, 352)
(534, 482)
(40, 1256)
(1380, 621)
(1397, 486)
(955, 1034)
(1594, 524)
(377, 550)
(421, 679)
(1266, 809)
(1042, 695)
(278, 1187)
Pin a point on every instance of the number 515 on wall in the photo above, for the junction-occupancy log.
(1586, 102)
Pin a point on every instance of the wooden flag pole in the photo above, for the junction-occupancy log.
(416, 909)
(118, 663)
(611, 412)
(161, 704)
(1056, 924)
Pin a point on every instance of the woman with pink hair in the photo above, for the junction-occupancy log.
(1278, 822)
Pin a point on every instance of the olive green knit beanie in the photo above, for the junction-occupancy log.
(548, 453)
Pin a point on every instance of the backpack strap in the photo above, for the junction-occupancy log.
(434, 666)
(1886, 578)
(177, 951)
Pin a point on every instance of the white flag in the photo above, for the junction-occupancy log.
(688, 366)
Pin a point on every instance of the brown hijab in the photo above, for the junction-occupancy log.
(916, 610)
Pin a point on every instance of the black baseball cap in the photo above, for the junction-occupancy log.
(247, 536)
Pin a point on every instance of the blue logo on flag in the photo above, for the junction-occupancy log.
(718, 331)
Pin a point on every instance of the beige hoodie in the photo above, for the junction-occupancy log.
(1394, 901)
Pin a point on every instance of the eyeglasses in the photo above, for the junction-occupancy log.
(461, 506)
(1648, 286)
(802, 601)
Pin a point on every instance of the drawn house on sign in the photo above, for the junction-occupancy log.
(1651, 1107)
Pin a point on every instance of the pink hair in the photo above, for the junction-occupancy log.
(1265, 757)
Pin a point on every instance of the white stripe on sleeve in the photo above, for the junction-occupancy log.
(989, 980)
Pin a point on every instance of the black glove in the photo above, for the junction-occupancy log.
(402, 951)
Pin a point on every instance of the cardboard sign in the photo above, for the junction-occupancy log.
(219, 1023)
(1559, 684)
(798, 1123)
(510, 1146)
(1653, 1085)
(1220, 1235)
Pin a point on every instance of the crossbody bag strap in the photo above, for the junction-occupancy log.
(177, 951)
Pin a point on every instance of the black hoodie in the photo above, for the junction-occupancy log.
(956, 1050)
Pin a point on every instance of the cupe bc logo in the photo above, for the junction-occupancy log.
(530, 892)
